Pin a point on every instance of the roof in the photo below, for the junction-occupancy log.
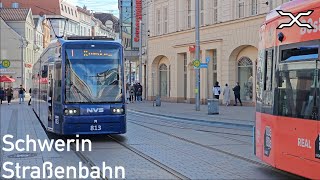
(103, 17)
(14, 14)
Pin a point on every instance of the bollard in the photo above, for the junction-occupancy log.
(213, 106)
(158, 101)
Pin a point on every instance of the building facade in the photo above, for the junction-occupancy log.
(85, 21)
(228, 47)
(17, 44)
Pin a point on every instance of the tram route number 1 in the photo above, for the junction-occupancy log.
(95, 128)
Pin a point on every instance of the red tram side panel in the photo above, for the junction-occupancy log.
(289, 144)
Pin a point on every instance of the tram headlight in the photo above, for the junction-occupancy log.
(117, 110)
(71, 112)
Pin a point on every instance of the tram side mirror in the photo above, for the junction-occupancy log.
(44, 71)
(280, 36)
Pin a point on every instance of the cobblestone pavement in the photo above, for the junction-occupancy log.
(153, 148)
(228, 114)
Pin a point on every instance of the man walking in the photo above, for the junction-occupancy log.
(139, 92)
(2, 94)
(236, 90)
(29, 103)
(9, 95)
(21, 94)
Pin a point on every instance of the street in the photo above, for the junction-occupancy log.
(154, 147)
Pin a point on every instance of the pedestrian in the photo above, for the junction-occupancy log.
(29, 103)
(139, 92)
(135, 91)
(2, 94)
(236, 90)
(9, 94)
(216, 90)
(21, 94)
(226, 95)
(132, 93)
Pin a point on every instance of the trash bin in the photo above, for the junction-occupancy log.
(158, 101)
(213, 106)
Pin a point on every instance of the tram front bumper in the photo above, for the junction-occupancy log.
(105, 124)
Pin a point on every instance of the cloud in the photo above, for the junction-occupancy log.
(110, 6)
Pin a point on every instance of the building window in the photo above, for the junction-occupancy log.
(72, 12)
(185, 74)
(188, 13)
(163, 71)
(165, 15)
(158, 22)
(240, 9)
(215, 11)
(68, 10)
(254, 7)
(245, 77)
(270, 5)
(201, 12)
(61, 7)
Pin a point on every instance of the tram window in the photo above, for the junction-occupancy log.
(296, 93)
(268, 63)
(57, 83)
(300, 53)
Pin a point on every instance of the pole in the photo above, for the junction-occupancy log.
(197, 90)
(130, 72)
(22, 63)
(140, 51)
(120, 22)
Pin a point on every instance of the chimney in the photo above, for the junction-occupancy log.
(15, 5)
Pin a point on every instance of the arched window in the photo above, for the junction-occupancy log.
(163, 71)
(245, 78)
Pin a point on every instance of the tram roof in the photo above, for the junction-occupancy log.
(294, 6)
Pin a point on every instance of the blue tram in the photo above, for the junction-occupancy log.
(78, 87)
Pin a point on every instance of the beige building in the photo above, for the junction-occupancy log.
(17, 31)
(228, 40)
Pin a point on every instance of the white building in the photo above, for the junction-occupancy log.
(85, 21)
(17, 30)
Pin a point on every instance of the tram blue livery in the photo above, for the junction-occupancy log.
(78, 87)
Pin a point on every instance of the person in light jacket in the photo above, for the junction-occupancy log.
(226, 95)
(216, 90)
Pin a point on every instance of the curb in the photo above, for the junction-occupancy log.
(196, 120)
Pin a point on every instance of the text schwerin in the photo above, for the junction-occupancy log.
(28, 144)
(48, 171)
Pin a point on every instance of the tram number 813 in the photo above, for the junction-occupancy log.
(95, 128)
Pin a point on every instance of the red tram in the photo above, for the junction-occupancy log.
(287, 129)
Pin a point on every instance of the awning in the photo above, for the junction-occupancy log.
(6, 79)
(44, 81)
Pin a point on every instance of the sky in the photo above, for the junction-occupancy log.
(110, 6)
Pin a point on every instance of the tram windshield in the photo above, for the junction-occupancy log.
(93, 75)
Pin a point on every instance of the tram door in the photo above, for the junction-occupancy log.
(50, 97)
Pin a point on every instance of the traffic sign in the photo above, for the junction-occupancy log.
(203, 65)
(196, 63)
(208, 59)
(5, 63)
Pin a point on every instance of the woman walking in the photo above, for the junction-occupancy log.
(226, 95)
(9, 95)
(216, 90)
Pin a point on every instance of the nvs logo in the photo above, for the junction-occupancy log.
(95, 110)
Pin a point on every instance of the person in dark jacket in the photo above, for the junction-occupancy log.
(2, 94)
(139, 92)
(236, 90)
(9, 95)
(29, 103)
(21, 94)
